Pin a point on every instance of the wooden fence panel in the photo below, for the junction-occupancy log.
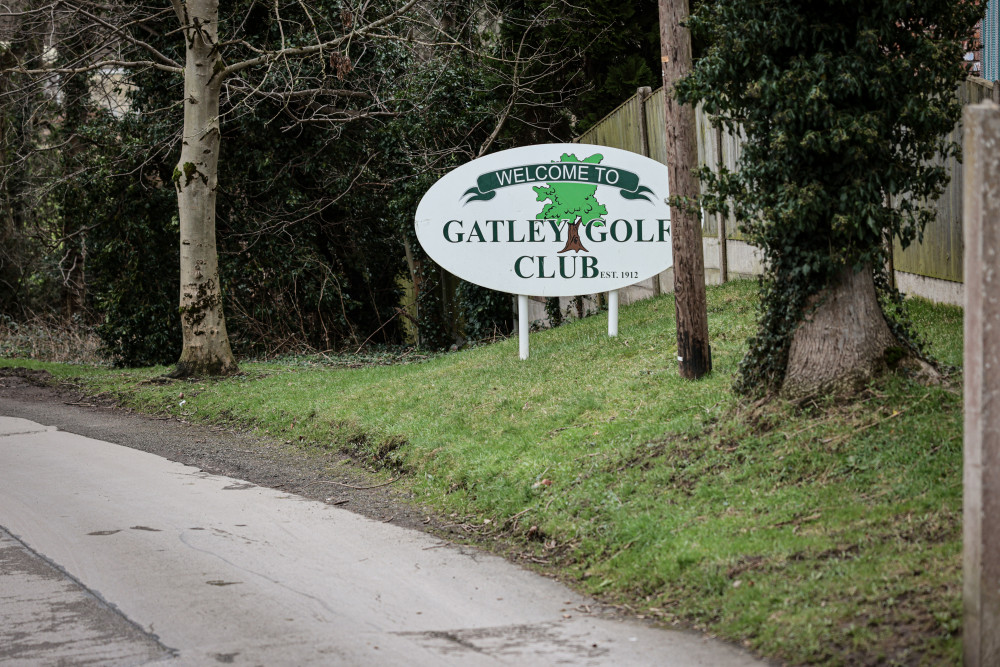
(940, 253)
(938, 256)
(623, 130)
(656, 123)
(714, 146)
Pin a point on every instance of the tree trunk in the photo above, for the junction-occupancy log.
(206, 348)
(75, 100)
(11, 206)
(841, 344)
(416, 277)
(573, 239)
(74, 260)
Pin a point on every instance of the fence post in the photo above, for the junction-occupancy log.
(723, 247)
(981, 467)
(890, 259)
(643, 93)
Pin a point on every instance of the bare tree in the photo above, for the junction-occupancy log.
(107, 39)
(310, 69)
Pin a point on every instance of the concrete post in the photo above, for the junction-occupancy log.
(981, 473)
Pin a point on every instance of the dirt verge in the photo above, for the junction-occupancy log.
(329, 477)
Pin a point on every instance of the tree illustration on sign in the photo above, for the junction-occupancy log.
(573, 202)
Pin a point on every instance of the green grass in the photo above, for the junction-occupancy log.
(825, 533)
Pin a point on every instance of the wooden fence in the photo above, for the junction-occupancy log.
(638, 125)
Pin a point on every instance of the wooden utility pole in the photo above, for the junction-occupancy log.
(693, 352)
(981, 476)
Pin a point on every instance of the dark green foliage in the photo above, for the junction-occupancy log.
(486, 313)
(136, 291)
(454, 104)
(305, 251)
(437, 316)
(553, 311)
(844, 105)
(302, 260)
(29, 284)
(134, 255)
(12, 207)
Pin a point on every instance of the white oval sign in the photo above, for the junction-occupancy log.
(550, 220)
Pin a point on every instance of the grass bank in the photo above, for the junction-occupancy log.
(819, 533)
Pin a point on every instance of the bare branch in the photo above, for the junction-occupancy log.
(123, 33)
(180, 8)
(311, 93)
(104, 64)
(300, 51)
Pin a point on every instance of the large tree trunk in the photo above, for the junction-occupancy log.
(206, 348)
(841, 344)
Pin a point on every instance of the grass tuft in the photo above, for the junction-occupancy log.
(49, 341)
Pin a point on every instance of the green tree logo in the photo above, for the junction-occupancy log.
(572, 202)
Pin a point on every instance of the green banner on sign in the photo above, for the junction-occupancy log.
(558, 172)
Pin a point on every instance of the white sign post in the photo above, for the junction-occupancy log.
(550, 220)
(522, 326)
(613, 313)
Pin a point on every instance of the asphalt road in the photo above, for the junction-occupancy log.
(111, 555)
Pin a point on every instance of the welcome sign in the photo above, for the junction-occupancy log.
(550, 220)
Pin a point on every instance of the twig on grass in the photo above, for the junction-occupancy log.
(798, 521)
(896, 413)
(356, 488)
(512, 521)
(515, 517)
(827, 420)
